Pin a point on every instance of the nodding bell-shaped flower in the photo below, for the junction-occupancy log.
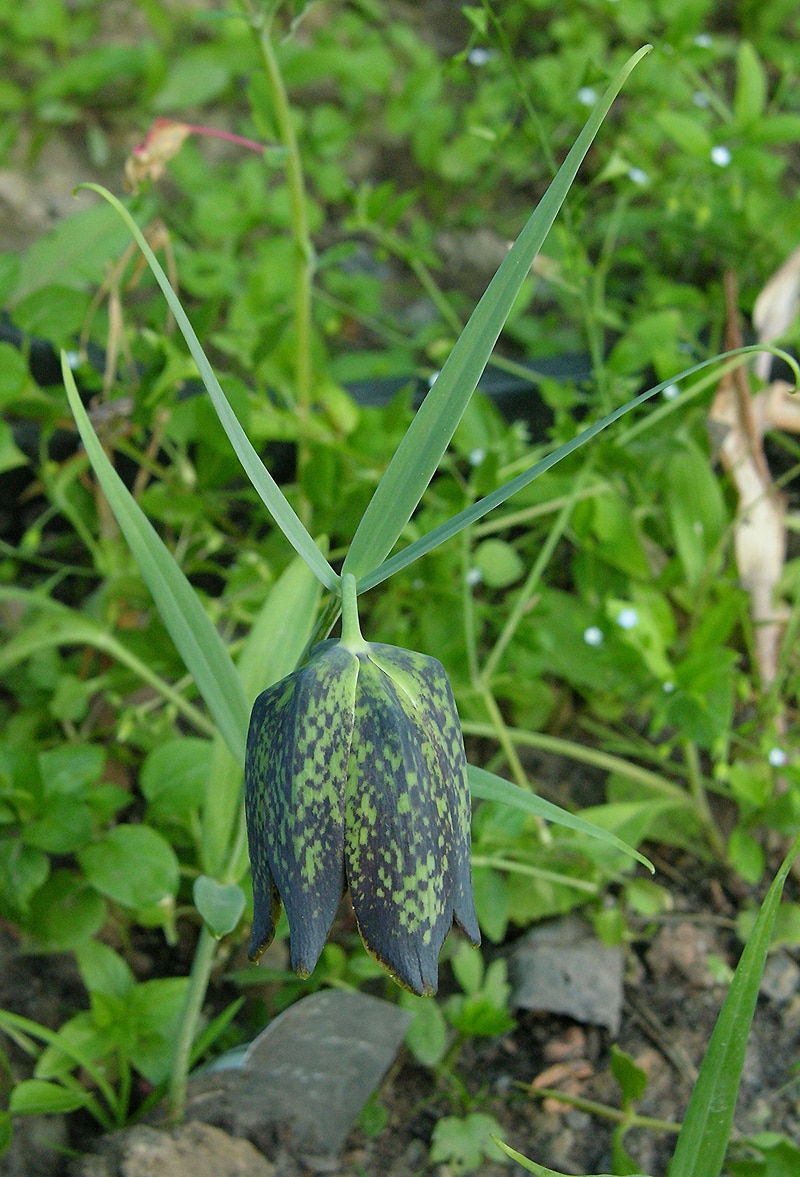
(356, 776)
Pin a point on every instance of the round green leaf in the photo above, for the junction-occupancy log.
(499, 563)
(64, 913)
(132, 865)
(221, 907)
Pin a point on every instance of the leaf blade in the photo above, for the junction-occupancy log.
(496, 498)
(265, 485)
(419, 453)
(488, 787)
(703, 1138)
(189, 626)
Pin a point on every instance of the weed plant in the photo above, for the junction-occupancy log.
(607, 587)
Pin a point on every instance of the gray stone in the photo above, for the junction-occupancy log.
(196, 1149)
(562, 967)
(37, 1146)
(781, 977)
(307, 1075)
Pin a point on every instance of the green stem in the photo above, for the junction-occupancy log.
(532, 581)
(583, 754)
(199, 977)
(616, 1115)
(694, 777)
(499, 730)
(304, 247)
(351, 629)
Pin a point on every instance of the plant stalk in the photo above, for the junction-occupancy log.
(199, 977)
(306, 255)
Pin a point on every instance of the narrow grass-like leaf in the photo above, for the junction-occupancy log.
(476, 511)
(704, 1136)
(420, 452)
(189, 626)
(266, 486)
(487, 787)
(531, 1166)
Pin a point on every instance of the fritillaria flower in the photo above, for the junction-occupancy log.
(356, 777)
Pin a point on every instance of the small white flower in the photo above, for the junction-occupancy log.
(720, 155)
(593, 636)
(777, 757)
(638, 175)
(73, 360)
(479, 55)
(668, 687)
(701, 99)
(703, 40)
(474, 576)
(627, 618)
(671, 392)
(587, 96)
(477, 456)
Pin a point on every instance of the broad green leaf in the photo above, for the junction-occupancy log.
(156, 1008)
(427, 1036)
(696, 509)
(463, 1143)
(74, 253)
(79, 1039)
(704, 1136)
(132, 865)
(103, 970)
(751, 85)
(55, 313)
(420, 452)
(14, 375)
(631, 1078)
(174, 778)
(65, 826)
(266, 486)
(777, 1157)
(220, 906)
(11, 456)
(6, 1132)
(22, 871)
(281, 631)
(686, 131)
(64, 913)
(189, 626)
(488, 787)
(37, 1097)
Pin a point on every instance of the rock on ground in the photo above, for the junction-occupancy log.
(195, 1149)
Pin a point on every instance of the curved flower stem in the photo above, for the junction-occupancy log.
(351, 629)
